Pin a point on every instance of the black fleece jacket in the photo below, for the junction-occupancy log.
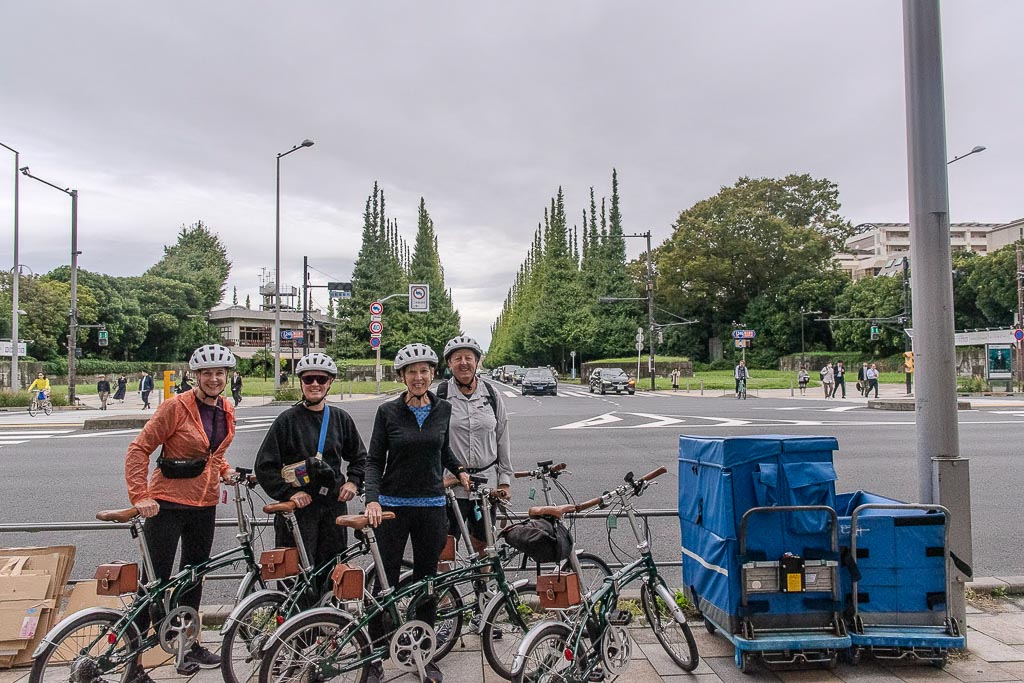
(407, 460)
(294, 436)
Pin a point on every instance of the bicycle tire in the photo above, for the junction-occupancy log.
(503, 633)
(594, 571)
(448, 624)
(245, 635)
(544, 657)
(676, 638)
(33, 408)
(102, 625)
(292, 657)
(48, 408)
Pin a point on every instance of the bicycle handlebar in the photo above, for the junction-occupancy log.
(653, 475)
(540, 471)
(586, 505)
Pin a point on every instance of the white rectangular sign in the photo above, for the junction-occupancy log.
(6, 347)
(419, 298)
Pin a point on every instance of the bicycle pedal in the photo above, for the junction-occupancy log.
(620, 617)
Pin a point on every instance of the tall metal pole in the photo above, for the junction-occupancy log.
(650, 308)
(305, 298)
(15, 382)
(277, 280)
(907, 342)
(943, 476)
(277, 266)
(73, 313)
(1020, 317)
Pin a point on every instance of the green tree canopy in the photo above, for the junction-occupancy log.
(198, 258)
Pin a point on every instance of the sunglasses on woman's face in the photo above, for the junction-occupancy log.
(319, 379)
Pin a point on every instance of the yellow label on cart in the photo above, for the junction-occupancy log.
(794, 583)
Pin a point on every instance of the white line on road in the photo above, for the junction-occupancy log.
(91, 434)
(510, 394)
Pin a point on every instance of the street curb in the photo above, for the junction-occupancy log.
(1002, 584)
(116, 422)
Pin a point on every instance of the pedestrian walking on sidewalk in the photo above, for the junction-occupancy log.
(872, 376)
(802, 378)
(839, 372)
(122, 388)
(236, 387)
(862, 379)
(675, 379)
(828, 379)
(103, 391)
(145, 387)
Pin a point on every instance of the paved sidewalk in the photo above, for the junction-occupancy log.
(995, 653)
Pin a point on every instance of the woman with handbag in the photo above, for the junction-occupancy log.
(409, 451)
(179, 500)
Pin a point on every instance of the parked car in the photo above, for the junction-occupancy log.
(517, 375)
(539, 381)
(611, 379)
(496, 374)
(507, 371)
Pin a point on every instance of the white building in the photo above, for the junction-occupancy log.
(1007, 233)
(246, 331)
(877, 247)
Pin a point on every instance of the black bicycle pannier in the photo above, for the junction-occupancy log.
(540, 539)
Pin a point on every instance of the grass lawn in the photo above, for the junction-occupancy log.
(251, 386)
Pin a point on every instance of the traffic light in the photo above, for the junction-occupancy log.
(908, 361)
(875, 332)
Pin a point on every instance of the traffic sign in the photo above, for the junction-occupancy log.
(1018, 335)
(376, 327)
(639, 337)
(743, 334)
(374, 342)
(740, 343)
(639, 346)
(6, 347)
(101, 338)
(375, 317)
(419, 298)
(376, 308)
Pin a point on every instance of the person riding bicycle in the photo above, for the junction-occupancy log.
(479, 431)
(741, 374)
(41, 386)
(179, 500)
(409, 451)
(313, 456)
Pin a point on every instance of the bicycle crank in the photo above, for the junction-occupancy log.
(413, 645)
(616, 649)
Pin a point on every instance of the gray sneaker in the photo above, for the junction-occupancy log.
(202, 657)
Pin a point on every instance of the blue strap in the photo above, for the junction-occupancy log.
(323, 431)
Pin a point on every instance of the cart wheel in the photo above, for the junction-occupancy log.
(942, 661)
(747, 663)
(709, 627)
(833, 661)
(854, 655)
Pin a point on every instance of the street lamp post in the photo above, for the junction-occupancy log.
(15, 276)
(976, 150)
(277, 266)
(803, 313)
(73, 311)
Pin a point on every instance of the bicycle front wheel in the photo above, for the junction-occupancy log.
(245, 635)
(544, 659)
(674, 635)
(83, 650)
(317, 647)
(506, 621)
(47, 407)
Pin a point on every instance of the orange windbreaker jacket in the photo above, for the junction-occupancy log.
(177, 427)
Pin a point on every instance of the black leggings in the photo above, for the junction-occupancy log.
(428, 529)
(194, 527)
(322, 538)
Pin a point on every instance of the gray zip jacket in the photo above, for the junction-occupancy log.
(478, 438)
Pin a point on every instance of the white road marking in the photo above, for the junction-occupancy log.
(596, 421)
(93, 434)
(510, 394)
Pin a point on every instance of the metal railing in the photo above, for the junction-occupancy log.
(50, 527)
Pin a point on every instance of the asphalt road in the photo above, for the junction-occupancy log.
(61, 473)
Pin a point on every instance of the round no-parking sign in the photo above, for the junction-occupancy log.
(1018, 335)
(374, 342)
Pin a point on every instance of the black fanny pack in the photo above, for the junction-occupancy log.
(189, 468)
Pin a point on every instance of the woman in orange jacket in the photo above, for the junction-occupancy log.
(179, 499)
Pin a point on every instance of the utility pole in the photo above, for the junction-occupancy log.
(1020, 317)
(305, 307)
(907, 342)
(943, 476)
(650, 308)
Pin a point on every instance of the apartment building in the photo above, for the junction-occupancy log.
(875, 248)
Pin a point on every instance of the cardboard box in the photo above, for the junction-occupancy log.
(32, 582)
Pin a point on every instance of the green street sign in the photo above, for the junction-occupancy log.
(102, 337)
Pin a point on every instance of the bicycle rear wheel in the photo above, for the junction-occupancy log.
(33, 408)
(83, 650)
(544, 658)
(47, 407)
(315, 647)
(506, 621)
(675, 637)
(593, 570)
(245, 636)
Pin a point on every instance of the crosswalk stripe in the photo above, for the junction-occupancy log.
(7, 442)
(41, 432)
(510, 394)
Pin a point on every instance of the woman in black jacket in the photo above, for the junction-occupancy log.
(409, 451)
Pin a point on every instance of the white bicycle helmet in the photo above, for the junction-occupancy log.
(414, 353)
(316, 361)
(462, 342)
(211, 356)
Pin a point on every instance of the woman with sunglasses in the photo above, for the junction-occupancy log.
(409, 451)
(179, 500)
(302, 460)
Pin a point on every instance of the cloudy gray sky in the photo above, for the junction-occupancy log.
(162, 114)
